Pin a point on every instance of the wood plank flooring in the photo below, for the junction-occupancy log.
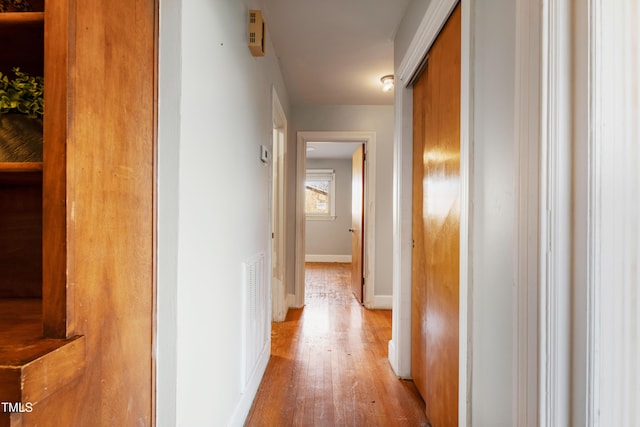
(329, 364)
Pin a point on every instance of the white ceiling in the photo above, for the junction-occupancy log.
(333, 52)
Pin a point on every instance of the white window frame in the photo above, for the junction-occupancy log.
(323, 174)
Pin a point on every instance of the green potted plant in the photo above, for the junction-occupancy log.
(15, 6)
(21, 112)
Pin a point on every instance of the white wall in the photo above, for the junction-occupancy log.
(493, 216)
(379, 119)
(407, 28)
(332, 237)
(168, 193)
(214, 203)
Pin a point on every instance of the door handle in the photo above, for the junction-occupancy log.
(351, 230)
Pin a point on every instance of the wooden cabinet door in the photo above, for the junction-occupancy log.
(436, 227)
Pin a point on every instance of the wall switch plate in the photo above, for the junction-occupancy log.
(264, 154)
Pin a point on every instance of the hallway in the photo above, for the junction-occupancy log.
(329, 364)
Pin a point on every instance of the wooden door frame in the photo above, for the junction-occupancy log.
(369, 141)
(279, 300)
(400, 345)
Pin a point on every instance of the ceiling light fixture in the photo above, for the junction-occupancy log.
(387, 82)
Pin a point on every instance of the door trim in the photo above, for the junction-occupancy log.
(528, 131)
(400, 345)
(279, 290)
(369, 140)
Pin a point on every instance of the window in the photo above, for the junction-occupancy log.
(320, 194)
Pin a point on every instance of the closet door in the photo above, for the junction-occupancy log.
(436, 227)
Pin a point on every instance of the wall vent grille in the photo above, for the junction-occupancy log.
(256, 322)
(256, 32)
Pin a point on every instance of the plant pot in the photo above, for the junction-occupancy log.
(20, 138)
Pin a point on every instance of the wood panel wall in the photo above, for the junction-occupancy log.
(104, 56)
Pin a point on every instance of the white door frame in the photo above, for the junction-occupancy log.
(400, 345)
(279, 301)
(607, 175)
(369, 140)
(528, 253)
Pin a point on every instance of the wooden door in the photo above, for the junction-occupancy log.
(357, 223)
(436, 227)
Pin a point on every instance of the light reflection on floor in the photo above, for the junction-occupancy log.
(325, 288)
(329, 363)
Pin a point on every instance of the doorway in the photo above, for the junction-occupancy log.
(307, 140)
(334, 200)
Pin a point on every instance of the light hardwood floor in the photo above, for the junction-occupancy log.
(329, 364)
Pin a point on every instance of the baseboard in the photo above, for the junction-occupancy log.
(393, 361)
(327, 258)
(291, 301)
(246, 399)
(382, 302)
(392, 356)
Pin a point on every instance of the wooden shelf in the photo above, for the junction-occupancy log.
(32, 367)
(21, 17)
(17, 167)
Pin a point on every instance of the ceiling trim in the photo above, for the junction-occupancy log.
(437, 14)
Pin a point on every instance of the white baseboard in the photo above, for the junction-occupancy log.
(393, 361)
(391, 351)
(291, 301)
(327, 258)
(246, 399)
(382, 302)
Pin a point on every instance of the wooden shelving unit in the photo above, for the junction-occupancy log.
(33, 364)
(83, 342)
(22, 41)
(32, 367)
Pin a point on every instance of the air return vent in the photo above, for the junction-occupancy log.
(256, 322)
